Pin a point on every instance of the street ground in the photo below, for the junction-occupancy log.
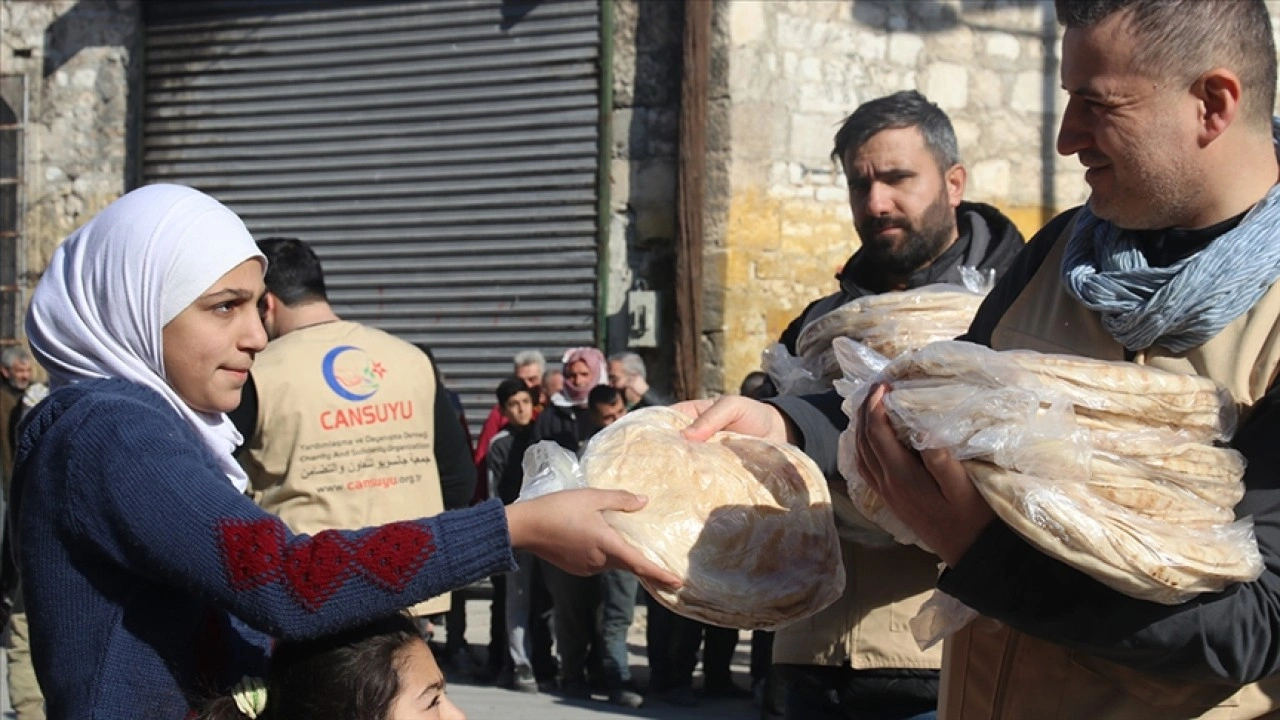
(487, 702)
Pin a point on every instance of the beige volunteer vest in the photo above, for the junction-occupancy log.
(991, 671)
(345, 436)
(867, 626)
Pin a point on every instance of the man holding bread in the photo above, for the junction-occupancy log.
(1171, 264)
(906, 188)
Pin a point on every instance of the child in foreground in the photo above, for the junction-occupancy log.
(380, 671)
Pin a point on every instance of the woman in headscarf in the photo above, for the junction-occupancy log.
(566, 420)
(576, 601)
(151, 581)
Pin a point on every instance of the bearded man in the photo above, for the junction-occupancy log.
(906, 189)
(857, 659)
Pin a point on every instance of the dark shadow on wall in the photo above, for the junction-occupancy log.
(105, 23)
(931, 16)
(651, 141)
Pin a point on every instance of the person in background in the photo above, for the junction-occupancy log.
(757, 386)
(505, 478)
(575, 600)
(17, 370)
(331, 396)
(628, 375)
(552, 383)
(528, 366)
(617, 589)
(456, 653)
(606, 406)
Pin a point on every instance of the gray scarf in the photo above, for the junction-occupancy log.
(1181, 306)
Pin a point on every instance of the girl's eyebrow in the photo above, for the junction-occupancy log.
(233, 293)
(437, 686)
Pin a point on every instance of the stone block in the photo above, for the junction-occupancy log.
(747, 22)
(990, 179)
(749, 78)
(754, 222)
(810, 139)
(987, 88)
(947, 85)
(905, 49)
(792, 32)
(1028, 92)
(967, 134)
(811, 70)
(952, 45)
(1002, 45)
(760, 132)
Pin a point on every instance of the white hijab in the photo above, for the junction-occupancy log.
(114, 284)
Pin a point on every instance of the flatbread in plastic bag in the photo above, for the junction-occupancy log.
(747, 524)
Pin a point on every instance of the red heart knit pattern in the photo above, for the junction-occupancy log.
(314, 569)
(251, 552)
(390, 557)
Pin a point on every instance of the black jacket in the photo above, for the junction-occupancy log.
(988, 240)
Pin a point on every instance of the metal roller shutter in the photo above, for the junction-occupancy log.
(442, 158)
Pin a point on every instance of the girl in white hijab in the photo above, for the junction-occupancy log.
(118, 281)
(150, 581)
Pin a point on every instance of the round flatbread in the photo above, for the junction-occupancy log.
(746, 523)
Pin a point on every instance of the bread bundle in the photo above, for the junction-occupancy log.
(746, 523)
(894, 322)
(890, 324)
(1110, 467)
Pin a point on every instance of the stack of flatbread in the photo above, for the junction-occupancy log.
(894, 322)
(747, 524)
(1110, 467)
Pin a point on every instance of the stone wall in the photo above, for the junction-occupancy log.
(81, 64)
(797, 68)
(645, 129)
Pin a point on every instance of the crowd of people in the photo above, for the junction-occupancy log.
(232, 503)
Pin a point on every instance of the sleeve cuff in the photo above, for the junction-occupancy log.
(477, 539)
(819, 421)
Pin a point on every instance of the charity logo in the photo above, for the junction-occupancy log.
(351, 373)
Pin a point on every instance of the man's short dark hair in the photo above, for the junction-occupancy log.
(1182, 39)
(511, 387)
(293, 271)
(900, 110)
(603, 395)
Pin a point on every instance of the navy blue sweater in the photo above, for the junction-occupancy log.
(151, 584)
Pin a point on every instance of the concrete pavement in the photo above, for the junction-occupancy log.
(486, 702)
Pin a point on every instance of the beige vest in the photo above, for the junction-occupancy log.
(867, 626)
(345, 435)
(992, 672)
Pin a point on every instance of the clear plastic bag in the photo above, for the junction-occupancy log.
(793, 375)
(894, 322)
(746, 523)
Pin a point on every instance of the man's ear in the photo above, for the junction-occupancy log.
(956, 178)
(1217, 94)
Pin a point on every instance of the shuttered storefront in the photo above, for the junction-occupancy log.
(441, 156)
